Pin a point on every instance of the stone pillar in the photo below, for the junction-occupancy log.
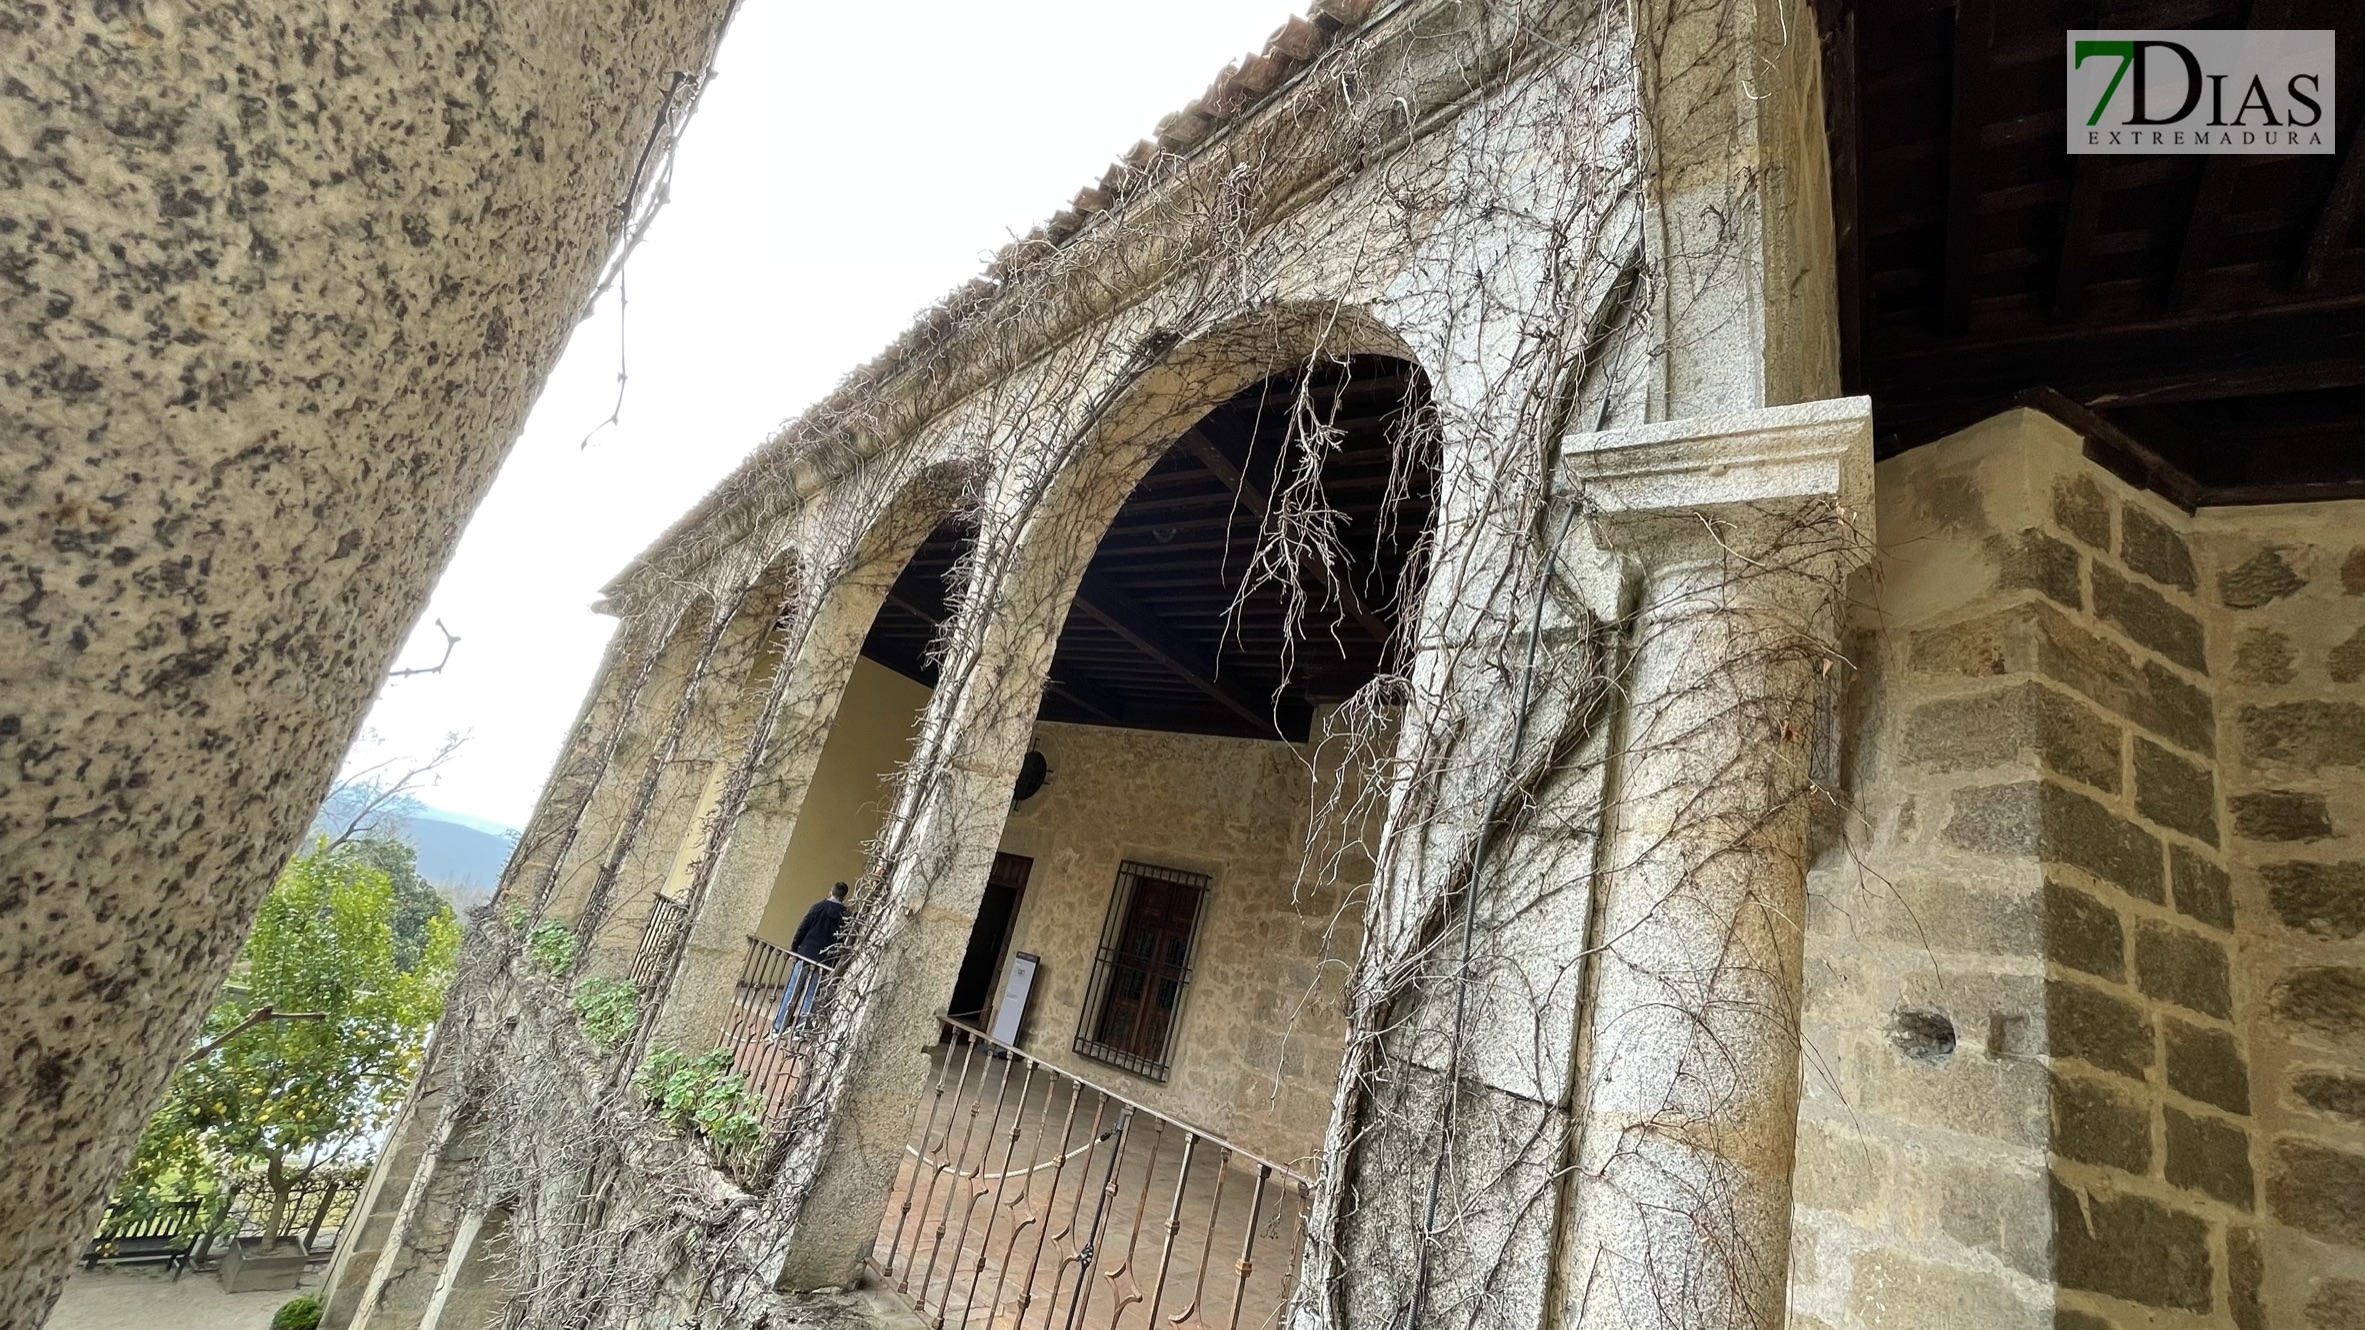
(280, 294)
(371, 1221)
(625, 820)
(788, 732)
(457, 1260)
(1738, 191)
(878, 1058)
(872, 1055)
(566, 795)
(1744, 527)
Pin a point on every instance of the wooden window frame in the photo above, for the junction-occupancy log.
(1140, 1047)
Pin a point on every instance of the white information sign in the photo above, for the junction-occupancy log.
(1014, 996)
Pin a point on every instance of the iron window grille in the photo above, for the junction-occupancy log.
(664, 926)
(1134, 1004)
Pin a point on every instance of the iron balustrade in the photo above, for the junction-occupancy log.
(769, 1030)
(658, 935)
(1029, 1197)
(189, 1231)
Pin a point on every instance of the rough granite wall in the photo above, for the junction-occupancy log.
(2042, 971)
(2286, 591)
(277, 286)
(1263, 1018)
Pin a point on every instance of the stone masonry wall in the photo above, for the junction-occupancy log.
(2038, 972)
(2286, 626)
(1263, 1018)
(277, 287)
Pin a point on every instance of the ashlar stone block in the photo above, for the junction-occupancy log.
(2082, 509)
(2059, 826)
(2323, 1000)
(2083, 933)
(2149, 547)
(2034, 561)
(2132, 1248)
(2146, 616)
(2206, 1065)
(2319, 1189)
(2202, 889)
(2175, 793)
(2261, 579)
(2040, 640)
(2245, 1278)
(2280, 815)
(2264, 655)
(2093, 1124)
(2324, 900)
(2346, 662)
(2095, 1027)
(2309, 735)
(2336, 1093)
(2337, 1304)
(2209, 1155)
(1966, 733)
(2184, 968)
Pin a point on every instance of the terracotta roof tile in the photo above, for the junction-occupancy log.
(1237, 89)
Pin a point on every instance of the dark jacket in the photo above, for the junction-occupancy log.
(817, 932)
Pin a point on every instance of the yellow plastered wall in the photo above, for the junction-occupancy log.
(850, 795)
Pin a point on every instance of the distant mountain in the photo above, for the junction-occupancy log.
(460, 856)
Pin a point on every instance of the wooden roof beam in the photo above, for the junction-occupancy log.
(2077, 238)
(2215, 192)
(1974, 34)
(1083, 696)
(1102, 602)
(2334, 220)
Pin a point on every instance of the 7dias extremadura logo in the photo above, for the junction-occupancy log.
(2200, 92)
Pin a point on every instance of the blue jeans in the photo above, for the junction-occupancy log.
(804, 982)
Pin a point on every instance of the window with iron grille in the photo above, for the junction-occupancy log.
(1134, 1004)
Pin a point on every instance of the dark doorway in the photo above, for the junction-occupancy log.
(989, 938)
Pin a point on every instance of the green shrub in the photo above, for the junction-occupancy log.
(703, 1095)
(551, 946)
(297, 1314)
(607, 1009)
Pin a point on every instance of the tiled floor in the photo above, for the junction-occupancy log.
(146, 1298)
(992, 1229)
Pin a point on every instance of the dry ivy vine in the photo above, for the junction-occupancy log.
(1454, 842)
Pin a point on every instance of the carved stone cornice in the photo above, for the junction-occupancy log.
(1650, 484)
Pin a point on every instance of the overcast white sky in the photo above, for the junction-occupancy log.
(850, 164)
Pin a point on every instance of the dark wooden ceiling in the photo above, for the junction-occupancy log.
(1154, 639)
(2208, 312)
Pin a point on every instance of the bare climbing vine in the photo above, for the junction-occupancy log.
(1460, 186)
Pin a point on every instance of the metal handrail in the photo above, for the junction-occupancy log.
(965, 1203)
(972, 1032)
(770, 1047)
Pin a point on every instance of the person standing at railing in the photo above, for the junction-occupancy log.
(811, 950)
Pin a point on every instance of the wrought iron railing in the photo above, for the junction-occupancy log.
(1031, 1198)
(768, 1032)
(663, 929)
(192, 1231)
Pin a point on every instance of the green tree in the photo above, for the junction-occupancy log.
(416, 900)
(287, 1097)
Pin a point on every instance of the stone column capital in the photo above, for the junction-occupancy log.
(1658, 491)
